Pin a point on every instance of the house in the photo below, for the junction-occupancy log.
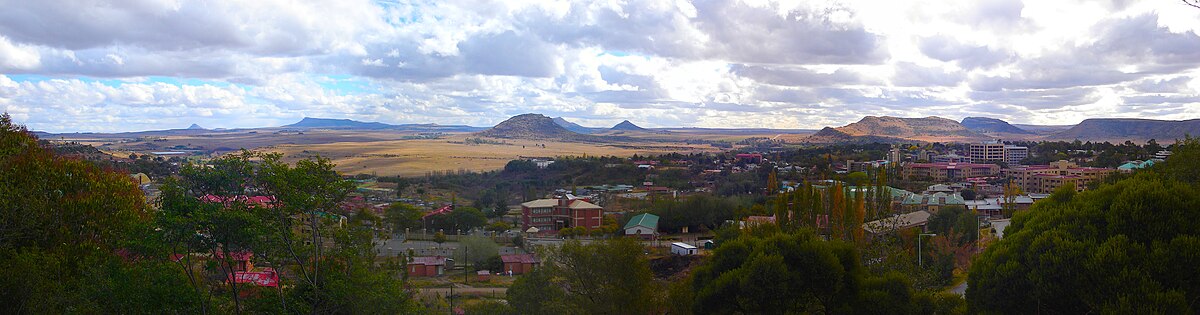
(241, 259)
(1128, 167)
(911, 220)
(483, 275)
(643, 225)
(551, 215)
(932, 202)
(519, 263)
(683, 249)
(427, 266)
(994, 207)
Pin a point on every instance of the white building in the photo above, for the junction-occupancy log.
(683, 249)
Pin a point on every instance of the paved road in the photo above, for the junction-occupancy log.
(497, 292)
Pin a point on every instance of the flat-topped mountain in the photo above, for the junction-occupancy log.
(1133, 129)
(327, 123)
(529, 126)
(572, 126)
(896, 129)
(992, 125)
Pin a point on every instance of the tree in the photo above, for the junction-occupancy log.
(402, 216)
(767, 271)
(439, 237)
(476, 250)
(1131, 244)
(76, 238)
(604, 277)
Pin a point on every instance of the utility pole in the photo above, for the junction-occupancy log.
(919, 261)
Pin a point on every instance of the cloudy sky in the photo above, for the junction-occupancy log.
(94, 65)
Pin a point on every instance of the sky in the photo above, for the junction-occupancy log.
(128, 65)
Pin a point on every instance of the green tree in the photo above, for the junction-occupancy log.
(603, 277)
(401, 216)
(476, 250)
(1131, 244)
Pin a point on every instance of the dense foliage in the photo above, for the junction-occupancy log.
(604, 277)
(1126, 247)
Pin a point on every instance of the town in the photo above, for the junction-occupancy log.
(600, 157)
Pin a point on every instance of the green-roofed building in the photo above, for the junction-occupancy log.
(643, 225)
(932, 202)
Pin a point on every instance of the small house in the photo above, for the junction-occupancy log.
(644, 226)
(427, 266)
(519, 263)
(683, 249)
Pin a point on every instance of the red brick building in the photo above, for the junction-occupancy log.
(942, 172)
(519, 264)
(551, 215)
(427, 266)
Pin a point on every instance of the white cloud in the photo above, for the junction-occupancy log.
(127, 65)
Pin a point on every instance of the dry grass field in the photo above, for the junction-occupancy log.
(450, 154)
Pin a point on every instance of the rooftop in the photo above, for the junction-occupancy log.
(645, 219)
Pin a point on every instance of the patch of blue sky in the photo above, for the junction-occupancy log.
(344, 84)
(118, 82)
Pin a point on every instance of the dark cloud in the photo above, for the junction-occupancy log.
(948, 49)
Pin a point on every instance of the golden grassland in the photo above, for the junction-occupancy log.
(451, 154)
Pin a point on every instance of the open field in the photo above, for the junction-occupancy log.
(418, 157)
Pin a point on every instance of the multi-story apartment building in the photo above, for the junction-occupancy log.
(996, 151)
(986, 151)
(551, 215)
(1014, 154)
(1044, 179)
(943, 172)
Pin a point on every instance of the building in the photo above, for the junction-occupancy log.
(911, 220)
(996, 151)
(1044, 179)
(1014, 154)
(951, 158)
(932, 202)
(550, 215)
(987, 151)
(519, 264)
(943, 172)
(895, 155)
(1128, 167)
(427, 266)
(683, 249)
(753, 158)
(643, 225)
(994, 207)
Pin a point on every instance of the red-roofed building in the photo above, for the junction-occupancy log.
(519, 264)
(1044, 179)
(749, 157)
(427, 266)
(942, 172)
(551, 215)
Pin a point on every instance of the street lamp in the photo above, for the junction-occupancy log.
(919, 261)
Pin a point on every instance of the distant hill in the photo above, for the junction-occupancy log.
(531, 126)
(195, 127)
(1133, 129)
(572, 126)
(627, 126)
(326, 123)
(992, 125)
(1044, 129)
(895, 129)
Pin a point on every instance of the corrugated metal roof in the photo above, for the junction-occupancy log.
(645, 219)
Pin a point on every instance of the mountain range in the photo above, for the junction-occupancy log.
(895, 129)
(326, 123)
(989, 126)
(1133, 129)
